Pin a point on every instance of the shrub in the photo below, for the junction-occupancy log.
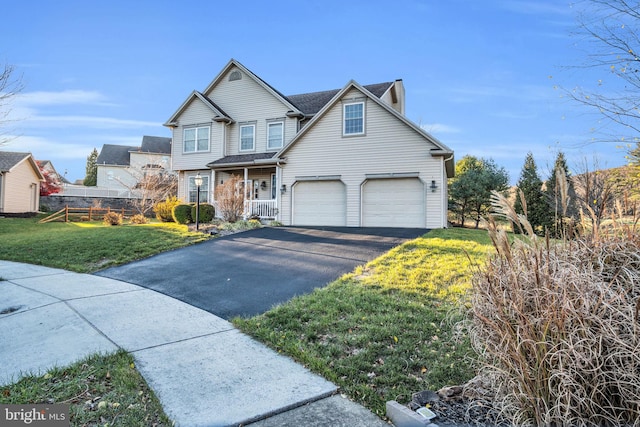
(182, 214)
(227, 226)
(164, 210)
(139, 219)
(557, 327)
(207, 212)
(275, 224)
(254, 223)
(230, 201)
(112, 218)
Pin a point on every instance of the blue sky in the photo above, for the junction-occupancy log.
(481, 76)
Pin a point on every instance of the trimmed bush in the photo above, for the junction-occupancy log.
(112, 218)
(139, 219)
(207, 212)
(164, 210)
(182, 214)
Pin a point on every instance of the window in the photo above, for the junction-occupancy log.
(196, 140)
(247, 137)
(353, 119)
(275, 135)
(204, 190)
(274, 185)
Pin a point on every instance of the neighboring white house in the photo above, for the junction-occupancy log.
(343, 157)
(121, 167)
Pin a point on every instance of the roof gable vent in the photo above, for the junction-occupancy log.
(235, 75)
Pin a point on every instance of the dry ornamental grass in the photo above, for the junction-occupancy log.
(557, 326)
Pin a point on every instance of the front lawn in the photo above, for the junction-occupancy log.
(86, 247)
(102, 390)
(388, 329)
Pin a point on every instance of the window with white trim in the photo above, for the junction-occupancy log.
(247, 137)
(275, 135)
(196, 139)
(353, 118)
(204, 190)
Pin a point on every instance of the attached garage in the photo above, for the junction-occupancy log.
(393, 202)
(320, 202)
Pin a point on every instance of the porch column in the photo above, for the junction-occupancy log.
(246, 188)
(212, 187)
(278, 198)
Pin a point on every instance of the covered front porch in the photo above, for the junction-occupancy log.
(259, 184)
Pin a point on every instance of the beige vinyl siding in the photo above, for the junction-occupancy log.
(247, 101)
(388, 146)
(21, 189)
(197, 113)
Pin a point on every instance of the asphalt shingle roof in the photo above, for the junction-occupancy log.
(9, 159)
(311, 103)
(112, 154)
(156, 145)
(240, 158)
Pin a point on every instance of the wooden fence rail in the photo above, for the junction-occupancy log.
(90, 213)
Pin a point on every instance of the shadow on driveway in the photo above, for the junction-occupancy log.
(247, 273)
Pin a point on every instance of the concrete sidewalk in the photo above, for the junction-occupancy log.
(204, 371)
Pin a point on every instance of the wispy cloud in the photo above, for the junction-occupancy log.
(87, 122)
(440, 128)
(66, 97)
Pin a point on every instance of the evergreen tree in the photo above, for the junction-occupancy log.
(470, 191)
(559, 209)
(91, 177)
(536, 203)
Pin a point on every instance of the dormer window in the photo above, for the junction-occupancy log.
(353, 118)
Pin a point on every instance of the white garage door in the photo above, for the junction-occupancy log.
(319, 203)
(393, 203)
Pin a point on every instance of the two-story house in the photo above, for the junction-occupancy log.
(343, 157)
(122, 167)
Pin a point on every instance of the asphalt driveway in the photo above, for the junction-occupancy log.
(248, 273)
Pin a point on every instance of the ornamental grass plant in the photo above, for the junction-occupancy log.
(557, 327)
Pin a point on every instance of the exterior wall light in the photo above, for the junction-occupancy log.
(283, 189)
(433, 186)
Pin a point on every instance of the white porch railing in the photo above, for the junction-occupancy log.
(264, 209)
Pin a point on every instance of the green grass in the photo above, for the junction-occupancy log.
(102, 390)
(388, 329)
(87, 247)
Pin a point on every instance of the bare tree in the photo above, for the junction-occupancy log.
(229, 199)
(10, 86)
(149, 183)
(595, 194)
(612, 31)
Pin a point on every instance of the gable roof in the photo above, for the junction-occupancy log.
(311, 103)
(220, 115)
(155, 144)
(441, 149)
(257, 79)
(10, 159)
(115, 155)
(47, 165)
